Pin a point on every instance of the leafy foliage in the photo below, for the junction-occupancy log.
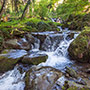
(71, 7)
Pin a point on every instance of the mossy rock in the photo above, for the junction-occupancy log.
(7, 63)
(9, 58)
(77, 88)
(79, 49)
(71, 72)
(41, 78)
(34, 60)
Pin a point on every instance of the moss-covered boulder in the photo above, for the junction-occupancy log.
(79, 49)
(8, 59)
(35, 60)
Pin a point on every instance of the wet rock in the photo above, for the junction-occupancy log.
(36, 59)
(79, 49)
(20, 43)
(66, 85)
(81, 81)
(32, 40)
(10, 58)
(42, 78)
(70, 36)
(41, 38)
(52, 42)
(89, 78)
(67, 75)
(71, 72)
(88, 71)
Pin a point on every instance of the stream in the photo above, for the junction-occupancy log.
(55, 46)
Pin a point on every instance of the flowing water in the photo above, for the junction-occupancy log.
(55, 46)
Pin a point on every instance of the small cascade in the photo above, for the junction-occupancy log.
(58, 51)
(12, 80)
(36, 44)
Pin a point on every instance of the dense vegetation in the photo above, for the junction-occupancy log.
(20, 16)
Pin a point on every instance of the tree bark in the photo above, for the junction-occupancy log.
(27, 4)
(2, 8)
(16, 5)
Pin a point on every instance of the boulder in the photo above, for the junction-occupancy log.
(36, 59)
(8, 59)
(41, 78)
(20, 43)
(79, 49)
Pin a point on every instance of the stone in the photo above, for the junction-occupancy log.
(33, 41)
(52, 42)
(70, 36)
(10, 58)
(42, 78)
(71, 72)
(41, 37)
(20, 43)
(79, 49)
(81, 81)
(30, 38)
(34, 60)
(66, 85)
(88, 71)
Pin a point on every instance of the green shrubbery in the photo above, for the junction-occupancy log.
(71, 7)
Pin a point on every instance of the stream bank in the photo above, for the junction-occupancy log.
(55, 69)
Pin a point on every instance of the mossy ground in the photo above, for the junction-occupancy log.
(77, 22)
(17, 28)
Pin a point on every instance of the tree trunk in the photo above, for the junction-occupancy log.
(16, 5)
(2, 8)
(23, 14)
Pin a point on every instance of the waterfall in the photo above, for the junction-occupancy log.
(55, 46)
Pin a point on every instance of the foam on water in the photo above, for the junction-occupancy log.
(12, 80)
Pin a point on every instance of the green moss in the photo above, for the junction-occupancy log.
(7, 63)
(77, 88)
(80, 48)
(35, 60)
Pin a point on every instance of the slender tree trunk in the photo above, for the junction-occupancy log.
(16, 5)
(23, 14)
(2, 8)
(12, 5)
